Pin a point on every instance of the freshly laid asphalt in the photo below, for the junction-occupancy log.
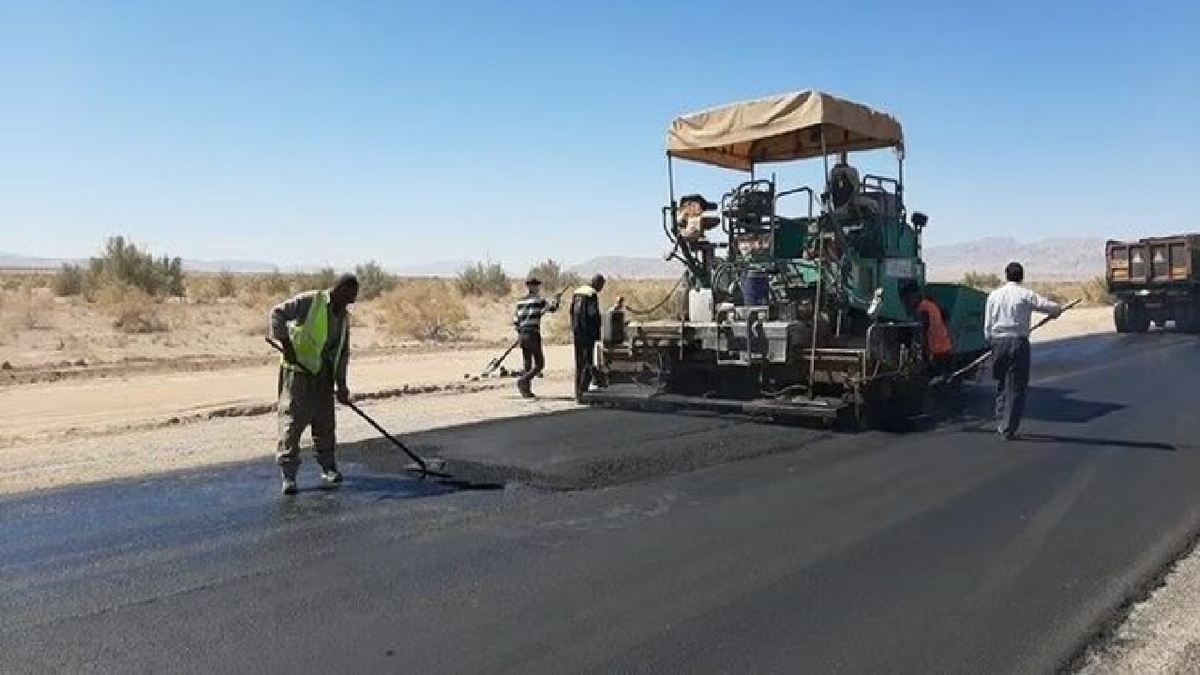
(613, 542)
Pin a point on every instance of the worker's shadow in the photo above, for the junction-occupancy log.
(972, 409)
(972, 404)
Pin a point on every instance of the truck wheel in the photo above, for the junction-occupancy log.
(1121, 316)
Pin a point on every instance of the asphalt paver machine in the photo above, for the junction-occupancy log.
(796, 316)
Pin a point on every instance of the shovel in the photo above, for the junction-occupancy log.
(495, 363)
(423, 466)
(984, 356)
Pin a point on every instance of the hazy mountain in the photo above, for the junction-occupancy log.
(629, 267)
(1050, 259)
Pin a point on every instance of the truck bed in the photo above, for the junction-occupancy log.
(1152, 262)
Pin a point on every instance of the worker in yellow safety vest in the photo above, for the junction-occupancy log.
(314, 330)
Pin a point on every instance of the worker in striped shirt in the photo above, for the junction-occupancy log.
(528, 322)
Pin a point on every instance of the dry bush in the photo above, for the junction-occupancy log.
(132, 309)
(984, 281)
(33, 309)
(487, 280)
(1093, 292)
(273, 284)
(373, 281)
(124, 264)
(70, 281)
(553, 277)
(428, 310)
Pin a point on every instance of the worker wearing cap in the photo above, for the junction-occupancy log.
(314, 330)
(1006, 327)
(585, 330)
(692, 224)
(528, 322)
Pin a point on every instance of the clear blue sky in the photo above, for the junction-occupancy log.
(307, 132)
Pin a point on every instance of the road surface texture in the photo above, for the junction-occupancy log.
(633, 542)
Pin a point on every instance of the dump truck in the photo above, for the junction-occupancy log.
(1155, 280)
(797, 313)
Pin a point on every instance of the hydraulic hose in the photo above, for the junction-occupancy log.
(667, 298)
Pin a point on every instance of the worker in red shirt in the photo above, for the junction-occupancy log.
(934, 332)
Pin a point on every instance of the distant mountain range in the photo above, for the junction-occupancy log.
(1074, 258)
(1045, 259)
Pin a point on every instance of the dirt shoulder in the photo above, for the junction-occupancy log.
(55, 434)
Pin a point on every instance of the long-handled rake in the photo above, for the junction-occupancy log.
(422, 466)
(986, 355)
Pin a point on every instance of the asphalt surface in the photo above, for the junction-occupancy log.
(944, 551)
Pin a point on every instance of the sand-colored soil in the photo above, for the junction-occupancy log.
(56, 433)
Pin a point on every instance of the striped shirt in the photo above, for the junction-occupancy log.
(1010, 308)
(529, 312)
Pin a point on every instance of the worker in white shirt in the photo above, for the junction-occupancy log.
(1006, 328)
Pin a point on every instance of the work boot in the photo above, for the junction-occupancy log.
(331, 476)
(523, 387)
(289, 486)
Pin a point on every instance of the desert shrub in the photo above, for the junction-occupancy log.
(373, 281)
(122, 263)
(486, 280)
(28, 309)
(984, 281)
(69, 281)
(425, 311)
(554, 278)
(1092, 291)
(132, 309)
(226, 284)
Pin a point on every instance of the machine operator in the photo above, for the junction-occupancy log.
(585, 329)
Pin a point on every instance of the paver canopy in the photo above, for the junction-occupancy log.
(780, 128)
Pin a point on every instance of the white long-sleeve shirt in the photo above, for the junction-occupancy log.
(1010, 309)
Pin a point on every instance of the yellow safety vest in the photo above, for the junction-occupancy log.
(308, 338)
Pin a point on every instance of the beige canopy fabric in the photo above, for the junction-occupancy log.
(780, 128)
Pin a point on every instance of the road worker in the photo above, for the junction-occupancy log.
(1006, 328)
(314, 330)
(935, 335)
(585, 330)
(692, 225)
(528, 322)
(845, 186)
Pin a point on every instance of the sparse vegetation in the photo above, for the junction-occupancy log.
(485, 280)
(553, 277)
(984, 281)
(69, 281)
(1092, 291)
(373, 281)
(226, 284)
(123, 263)
(430, 311)
(133, 310)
